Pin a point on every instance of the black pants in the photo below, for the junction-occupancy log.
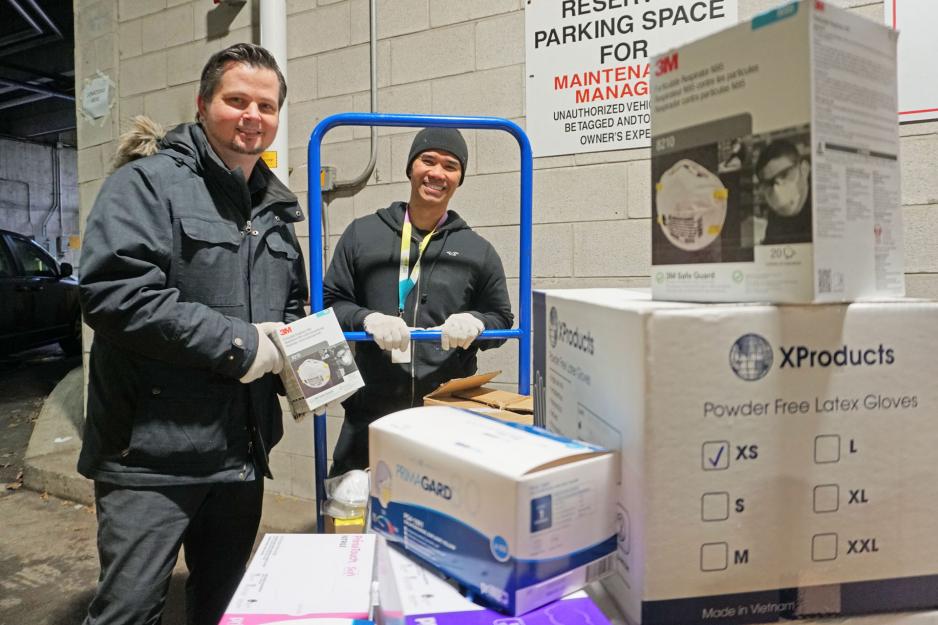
(140, 531)
(351, 448)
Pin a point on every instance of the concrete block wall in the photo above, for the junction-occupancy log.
(591, 211)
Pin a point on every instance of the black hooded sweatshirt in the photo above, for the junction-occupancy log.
(460, 272)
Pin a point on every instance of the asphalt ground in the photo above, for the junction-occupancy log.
(48, 554)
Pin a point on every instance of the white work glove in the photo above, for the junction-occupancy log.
(268, 358)
(389, 332)
(460, 330)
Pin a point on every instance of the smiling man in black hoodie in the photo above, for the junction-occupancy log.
(414, 264)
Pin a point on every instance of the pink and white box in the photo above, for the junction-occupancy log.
(306, 579)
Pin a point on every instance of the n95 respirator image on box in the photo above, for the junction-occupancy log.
(691, 205)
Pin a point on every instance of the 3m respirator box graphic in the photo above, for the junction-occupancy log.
(775, 172)
(777, 461)
(519, 516)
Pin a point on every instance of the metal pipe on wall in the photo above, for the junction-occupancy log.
(273, 19)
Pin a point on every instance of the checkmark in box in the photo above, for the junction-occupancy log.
(715, 455)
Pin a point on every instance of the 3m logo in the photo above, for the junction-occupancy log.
(819, 5)
(666, 64)
(285, 331)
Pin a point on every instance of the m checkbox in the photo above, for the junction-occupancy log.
(715, 455)
(826, 498)
(826, 448)
(715, 506)
(714, 556)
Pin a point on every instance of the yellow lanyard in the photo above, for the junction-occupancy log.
(406, 278)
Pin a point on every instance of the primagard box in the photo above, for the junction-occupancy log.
(774, 166)
(305, 579)
(412, 594)
(777, 461)
(517, 515)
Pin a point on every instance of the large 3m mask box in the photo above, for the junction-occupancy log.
(775, 174)
(777, 461)
(517, 515)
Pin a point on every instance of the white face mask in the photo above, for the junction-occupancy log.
(691, 203)
(314, 373)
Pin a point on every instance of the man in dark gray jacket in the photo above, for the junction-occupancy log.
(413, 265)
(189, 259)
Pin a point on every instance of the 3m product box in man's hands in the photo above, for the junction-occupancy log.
(306, 578)
(518, 516)
(318, 366)
(777, 461)
(412, 594)
(775, 171)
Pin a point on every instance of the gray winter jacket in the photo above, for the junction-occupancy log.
(180, 256)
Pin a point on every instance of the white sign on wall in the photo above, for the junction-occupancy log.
(587, 66)
(918, 48)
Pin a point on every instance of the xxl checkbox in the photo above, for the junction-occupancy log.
(824, 547)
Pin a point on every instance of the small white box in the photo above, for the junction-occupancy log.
(412, 594)
(705, 399)
(308, 578)
(519, 516)
(775, 171)
(318, 366)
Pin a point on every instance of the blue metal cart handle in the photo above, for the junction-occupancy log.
(522, 332)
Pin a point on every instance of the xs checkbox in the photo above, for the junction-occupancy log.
(715, 506)
(715, 455)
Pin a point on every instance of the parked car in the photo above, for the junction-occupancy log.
(38, 298)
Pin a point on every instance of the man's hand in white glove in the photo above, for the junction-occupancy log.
(460, 330)
(389, 332)
(268, 358)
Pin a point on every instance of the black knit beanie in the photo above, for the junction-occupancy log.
(446, 139)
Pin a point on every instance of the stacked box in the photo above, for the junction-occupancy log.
(518, 516)
(411, 594)
(776, 460)
(306, 578)
(775, 172)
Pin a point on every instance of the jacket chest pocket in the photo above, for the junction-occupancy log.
(280, 266)
(208, 264)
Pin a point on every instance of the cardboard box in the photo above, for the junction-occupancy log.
(518, 516)
(777, 461)
(412, 594)
(318, 365)
(306, 578)
(775, 171)
(469, 393)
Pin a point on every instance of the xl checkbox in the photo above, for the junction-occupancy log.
(715, 455)
(824, 547)
(715, 506)
(826, 498)
(714, 556)
(826, 448)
